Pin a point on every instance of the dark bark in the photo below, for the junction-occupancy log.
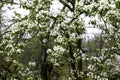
(72, 61)
(80, 54)
(44, 75)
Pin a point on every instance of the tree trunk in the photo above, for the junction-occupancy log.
(72, 61)
(44, 75)
(79, 64)
(80, 54)
(44, 69)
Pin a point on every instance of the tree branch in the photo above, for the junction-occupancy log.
(66, 5)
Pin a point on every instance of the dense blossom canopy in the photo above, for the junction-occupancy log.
(59, 35)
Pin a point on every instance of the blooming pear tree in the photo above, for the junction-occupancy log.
(105, 64)
(60, 35)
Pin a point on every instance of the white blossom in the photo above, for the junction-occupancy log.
(32, 63)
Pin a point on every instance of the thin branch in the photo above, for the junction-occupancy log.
(74, 18)
(6, 30)
(66, 5)
(10, 25)
(34, 36)
(105, 24)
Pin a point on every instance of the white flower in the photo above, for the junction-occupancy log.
(54, 33)
(14, 61)
(49, 50)
(59, 39)
(58, 48)
(19, 50)
(91, 67)
(32, 63)
(56, 64)
(44, 40)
